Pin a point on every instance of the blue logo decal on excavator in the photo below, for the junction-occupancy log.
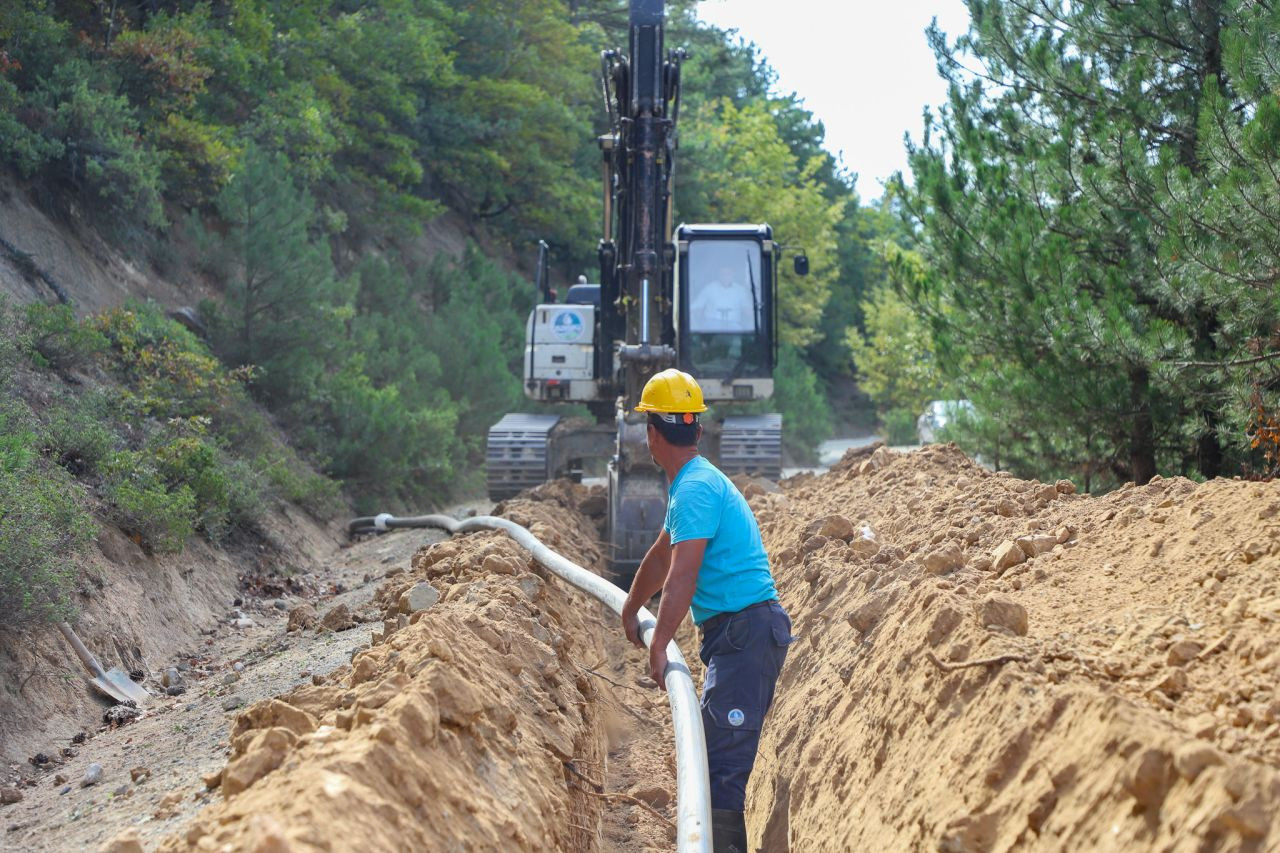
(567, 326)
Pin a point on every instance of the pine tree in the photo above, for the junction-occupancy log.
(1037, 199)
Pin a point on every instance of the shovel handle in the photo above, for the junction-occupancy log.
(90, 662)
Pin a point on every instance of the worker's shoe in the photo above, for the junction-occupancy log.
(728, 831)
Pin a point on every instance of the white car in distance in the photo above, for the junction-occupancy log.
(938, 414)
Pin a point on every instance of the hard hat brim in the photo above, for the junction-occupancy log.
(649, 407)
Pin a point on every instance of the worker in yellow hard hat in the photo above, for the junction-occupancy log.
(710, 557)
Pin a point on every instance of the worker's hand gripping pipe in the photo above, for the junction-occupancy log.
(693, 787)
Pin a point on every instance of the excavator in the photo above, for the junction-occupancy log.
(701, 297)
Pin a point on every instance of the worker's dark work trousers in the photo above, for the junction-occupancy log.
(743, 652)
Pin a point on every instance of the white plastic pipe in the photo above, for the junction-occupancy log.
(693, 785)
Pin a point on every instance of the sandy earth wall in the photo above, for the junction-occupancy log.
(452, 733)
(1117, 690)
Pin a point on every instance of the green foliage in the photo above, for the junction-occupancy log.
(302, 135)
(806, 416)
(897, 365)
(753, 176)
(44, 527)
(154, 515)
(283, 308)
(1069, 202)
(170, 372)
(900, 426)
(58, 338)
(77, 432)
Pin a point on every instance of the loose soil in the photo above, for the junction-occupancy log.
(1118, 690)
(983, 663)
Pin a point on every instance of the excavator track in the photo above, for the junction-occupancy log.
(516, 455)
(752, 444)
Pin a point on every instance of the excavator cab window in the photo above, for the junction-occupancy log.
(726, 309)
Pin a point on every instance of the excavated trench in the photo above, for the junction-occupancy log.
(984, 664)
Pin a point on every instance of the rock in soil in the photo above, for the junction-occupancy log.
(302, 617)
(92, 775)
(338, 618)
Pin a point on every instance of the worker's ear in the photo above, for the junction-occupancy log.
(698, 434)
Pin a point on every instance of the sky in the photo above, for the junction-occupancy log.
(864, 69)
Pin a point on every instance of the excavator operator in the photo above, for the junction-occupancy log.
(709, 557)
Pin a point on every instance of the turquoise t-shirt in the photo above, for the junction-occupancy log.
(703, 504)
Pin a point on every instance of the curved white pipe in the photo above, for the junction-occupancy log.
(693, 786)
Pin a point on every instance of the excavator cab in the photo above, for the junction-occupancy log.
(725, 316)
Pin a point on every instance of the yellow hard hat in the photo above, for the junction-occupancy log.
(671, 391)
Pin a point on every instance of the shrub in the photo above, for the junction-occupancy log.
(76, 434)
(171, 372)
(193, 463)
(157, 517)
(58, 339)
(43, 528)
(293, 481)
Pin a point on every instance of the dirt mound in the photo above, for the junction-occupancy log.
(458, 729)
(987, 663)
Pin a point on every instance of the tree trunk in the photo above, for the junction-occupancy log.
(1142, 442)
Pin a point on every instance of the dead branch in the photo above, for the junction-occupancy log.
(998, 659)
(616, 796)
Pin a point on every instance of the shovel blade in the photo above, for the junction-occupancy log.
(109, 690)
(124, 685)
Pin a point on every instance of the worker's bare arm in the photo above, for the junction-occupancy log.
(648, 580)
(677, 595)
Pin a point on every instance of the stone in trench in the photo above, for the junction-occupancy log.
(127, 841)
(302, 617)
(92, 775)
(871, 612)
(259, 756)
(419, 597)
(1183, 652)
(832, 527)
(865, 542)
(338, 618)
(10, 795)
(944, 560)
(654, 795)
(1034, 546)
(1007, 555)
(944, 622)
(532, 586)
(1047, 493)
(1004, 613)
(1174, 684)
(813, 543)
(140, 774)
(1191, 759)
(496, 564)
(1148, 777)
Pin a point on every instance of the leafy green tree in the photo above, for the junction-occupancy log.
(895, 357)
(754, 177)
